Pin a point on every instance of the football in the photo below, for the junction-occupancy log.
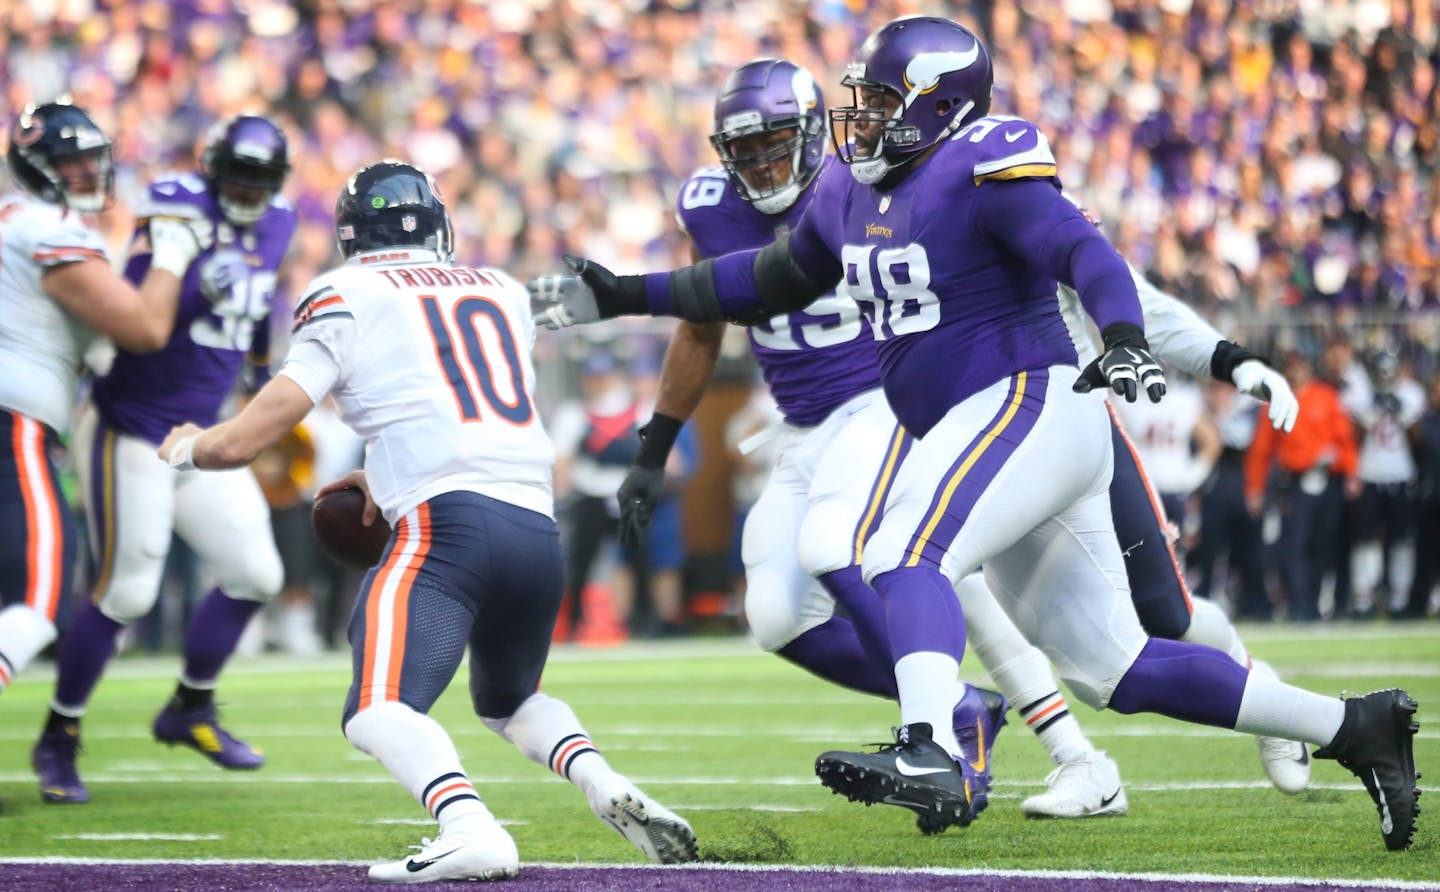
(336, 520)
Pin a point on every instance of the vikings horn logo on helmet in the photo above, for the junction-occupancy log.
(925, 70)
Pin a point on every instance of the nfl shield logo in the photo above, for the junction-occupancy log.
(884, 204)
(407, 222)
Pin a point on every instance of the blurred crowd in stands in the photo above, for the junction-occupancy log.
(1271, 162)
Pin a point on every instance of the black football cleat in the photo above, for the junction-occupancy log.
(914, 772)
(1376, 742)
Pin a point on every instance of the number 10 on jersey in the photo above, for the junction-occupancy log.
(483, 362)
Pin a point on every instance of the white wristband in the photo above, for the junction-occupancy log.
(182, 456)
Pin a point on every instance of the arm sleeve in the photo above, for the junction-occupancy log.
(786, 275)
(1035, 222)
(1176, 333)
(317, 356)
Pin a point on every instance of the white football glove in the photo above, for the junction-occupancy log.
(1257, 379)
(175, 242)
(562, 301)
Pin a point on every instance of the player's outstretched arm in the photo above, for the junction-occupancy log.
(745, 286)
(1180, 337)
(275, 410)
(139, 321)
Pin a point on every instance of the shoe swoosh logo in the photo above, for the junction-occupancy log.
(1111, 798)
(1014, 135)
(1386, 824)
(416, 866)
(909, 770)
(979, 764)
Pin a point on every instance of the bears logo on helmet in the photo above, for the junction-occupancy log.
(60, 155)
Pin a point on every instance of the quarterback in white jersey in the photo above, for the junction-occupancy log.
(430, 363)
(59, 292)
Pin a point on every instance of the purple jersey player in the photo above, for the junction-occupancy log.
(819, 362)
(951, 234)
(134, 500)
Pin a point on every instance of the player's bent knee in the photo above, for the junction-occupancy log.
(364, 728)
(826, 539)
(772, 614)
(1093, 693)
(127, 600)
(259, 580)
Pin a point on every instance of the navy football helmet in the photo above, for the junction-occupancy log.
(391, 204)
(763, 97)
(245, 162)
(60, 155)
(915, 81)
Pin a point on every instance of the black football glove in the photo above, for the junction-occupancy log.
(1126, 366)
(639, 494)
(644, 485)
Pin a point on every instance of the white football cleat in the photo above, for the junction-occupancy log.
(1286, 762)
(662, 835)
(479, 851)
(1087, 787)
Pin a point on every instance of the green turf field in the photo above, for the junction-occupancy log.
(726, 736)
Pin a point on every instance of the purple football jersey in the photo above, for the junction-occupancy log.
(953, 309)
(813, 360)
(224, 299)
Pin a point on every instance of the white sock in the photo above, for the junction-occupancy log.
(1020, 671)
(926, 681)
(418, 753)
(1210, 626)
(1271, 708)
(548, 732)
(24, 632)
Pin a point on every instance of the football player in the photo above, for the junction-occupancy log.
(430, 362)
(133, 500)
(951, 233)
(820, 365)
(59, 293)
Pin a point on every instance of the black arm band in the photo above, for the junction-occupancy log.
(1227, 356)
(781, 284)
(627, 298)
(1123, 334)
(656, 438)
(692, 293)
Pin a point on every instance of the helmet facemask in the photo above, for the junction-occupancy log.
(85, 178)
(863, 132)
(752, 157)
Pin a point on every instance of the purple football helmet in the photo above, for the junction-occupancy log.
(245, 163)
(60, 155)
(763, 97)
(915, 81)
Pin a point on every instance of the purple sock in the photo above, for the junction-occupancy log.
(86, 647)
(832, 651)
(922, 612)
(1185, 681)
(867, 612)
(215, 628)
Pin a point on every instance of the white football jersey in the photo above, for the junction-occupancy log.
(1176, 333)
(1161, 433)
(40, 343)
(430, 364)
(1385, 451)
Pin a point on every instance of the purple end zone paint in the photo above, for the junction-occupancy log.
(161, 877)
